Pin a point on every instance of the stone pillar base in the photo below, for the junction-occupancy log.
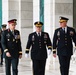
(52, 63)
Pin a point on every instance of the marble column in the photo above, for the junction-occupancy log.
(26, 21)
(13, 11)
(4, 11)
(36, 12)
(64, 8)
(49, 25)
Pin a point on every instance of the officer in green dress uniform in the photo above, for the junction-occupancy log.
(62, 42)
(11, 45)
(3, 27)
(38, 41)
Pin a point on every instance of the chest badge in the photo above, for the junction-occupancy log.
(13, 40)
(71, 32)
(8, 39)
(8, 35)
(58, 33)
(45, 36)
(33, 38)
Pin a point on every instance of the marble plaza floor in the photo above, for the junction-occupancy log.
(25, 69)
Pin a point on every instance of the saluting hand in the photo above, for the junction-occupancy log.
(8, 54)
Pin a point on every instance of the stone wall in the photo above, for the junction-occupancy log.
(26, 21)
(63, 8)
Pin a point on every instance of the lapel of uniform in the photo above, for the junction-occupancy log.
(35, 35)
(15, 32)
(42, 34)
(68, 30)
(60, 30)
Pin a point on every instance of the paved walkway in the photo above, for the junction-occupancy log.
(25, 69)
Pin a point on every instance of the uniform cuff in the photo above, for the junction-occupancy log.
(54, 51)
(20, 53)
(49, 46)
(6, 50)
(27, 51)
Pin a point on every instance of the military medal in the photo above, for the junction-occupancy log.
(18, 37)
(71, 32)
(13, 39)
(8, 39)
(33, 38)
(45, 36)
(8, 35)
(33, 42)
(45, 42)
(16, 41)
(58, 38)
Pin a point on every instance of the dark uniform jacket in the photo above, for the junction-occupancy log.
(0, 38)
(63, 41)
(11, 43)
(38, 45)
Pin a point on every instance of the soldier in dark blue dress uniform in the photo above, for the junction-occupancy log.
(62, 42)
(38, 41)
(11, 45)
(3, 27)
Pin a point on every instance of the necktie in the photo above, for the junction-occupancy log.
(63, 30)
(39, 34)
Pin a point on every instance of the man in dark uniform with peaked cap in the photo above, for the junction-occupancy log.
(62, 42)
(11, 45)
(38, 41)
(3, 27)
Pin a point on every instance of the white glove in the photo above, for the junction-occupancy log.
(49, 52)
(27, 55)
